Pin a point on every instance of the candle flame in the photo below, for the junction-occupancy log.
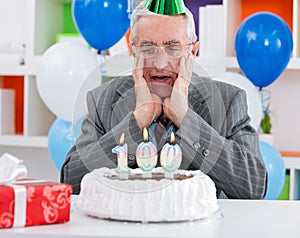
(172, 139)
(122, 139)
(145, 134)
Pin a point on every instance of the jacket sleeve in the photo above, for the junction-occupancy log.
(228, 153)
(93, 149)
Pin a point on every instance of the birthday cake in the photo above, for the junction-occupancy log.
(190, 195)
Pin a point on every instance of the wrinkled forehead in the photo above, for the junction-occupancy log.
(161, 28)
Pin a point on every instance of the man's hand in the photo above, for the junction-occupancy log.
(148, 106)
(176, 106)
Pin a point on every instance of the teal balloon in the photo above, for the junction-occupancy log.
(263, 46)
(61, 137)
(275, 168)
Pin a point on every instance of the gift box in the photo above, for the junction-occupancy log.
(29, 202)
(33, 202)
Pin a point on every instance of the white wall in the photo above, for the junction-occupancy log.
(285, 108)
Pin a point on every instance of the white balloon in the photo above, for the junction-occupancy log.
(255, 110)
(62, 70)
(80, 106)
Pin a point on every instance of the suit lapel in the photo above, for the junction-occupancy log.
(126, 103)
(198, 96)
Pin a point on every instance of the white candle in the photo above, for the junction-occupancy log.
(146, 155)
(170, 157)
(121, 151)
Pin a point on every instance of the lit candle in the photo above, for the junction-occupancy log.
(170, 157)
(121, 151)
(146, 155)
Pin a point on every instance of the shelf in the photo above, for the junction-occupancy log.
(291, 162)
(12, 69)
(24, 141)
(15, 69)
(231, 62)
(291, 159)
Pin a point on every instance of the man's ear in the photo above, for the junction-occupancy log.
(195, 48)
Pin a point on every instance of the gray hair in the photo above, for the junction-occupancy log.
(141, 10)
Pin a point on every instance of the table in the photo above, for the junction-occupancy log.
(241, 218)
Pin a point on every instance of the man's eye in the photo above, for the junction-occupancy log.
(147, 50)
(173, 49)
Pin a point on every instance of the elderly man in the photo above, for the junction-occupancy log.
(209, 118)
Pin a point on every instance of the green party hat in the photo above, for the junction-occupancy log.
(166, 7)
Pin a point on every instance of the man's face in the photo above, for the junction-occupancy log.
(161, 70)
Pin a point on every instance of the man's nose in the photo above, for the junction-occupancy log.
(161, 59)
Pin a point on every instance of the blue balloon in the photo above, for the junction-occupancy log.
(263, 46)
(102, 23)
(61, 137)
(275, 168)
(77, 126)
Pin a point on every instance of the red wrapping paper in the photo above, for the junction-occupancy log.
(46, 203)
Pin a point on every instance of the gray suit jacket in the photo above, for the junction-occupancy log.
(215, 136)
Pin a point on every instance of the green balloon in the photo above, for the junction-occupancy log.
(166, 7)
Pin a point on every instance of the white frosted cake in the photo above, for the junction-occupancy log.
(190, 195)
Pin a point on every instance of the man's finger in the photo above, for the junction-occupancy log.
(166, 108)
(138, 71)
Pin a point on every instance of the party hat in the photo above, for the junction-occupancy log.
(166, 7)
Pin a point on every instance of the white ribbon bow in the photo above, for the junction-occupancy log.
(12, 169)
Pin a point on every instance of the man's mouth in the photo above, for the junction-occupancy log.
(164, 79)
(160, 82)
(161, 78)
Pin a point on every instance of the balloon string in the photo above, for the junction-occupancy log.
(265, 100)
(102, 62)
(129, 7)
(70, 134)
